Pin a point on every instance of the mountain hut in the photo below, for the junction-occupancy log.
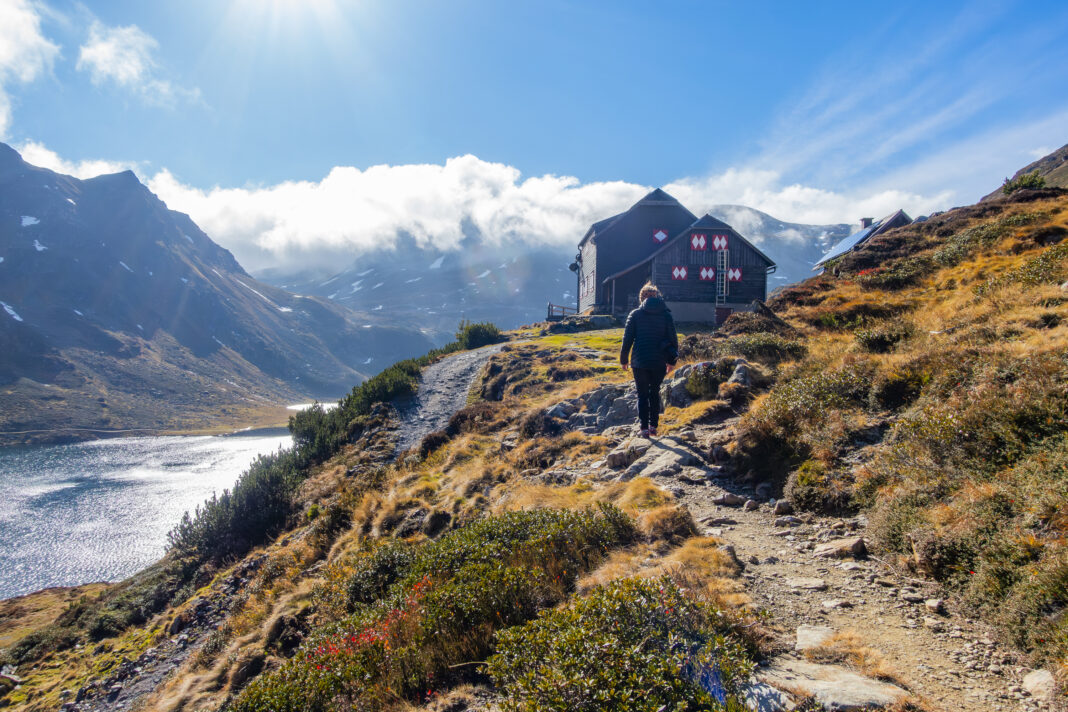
(704, 267)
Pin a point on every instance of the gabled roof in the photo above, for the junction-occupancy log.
(656, 197)
(705, 223)
(857, 238)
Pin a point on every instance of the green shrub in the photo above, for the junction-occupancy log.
(632, 645)
(881, 339)
(1032, 180)
(897, 389)
(898, 274)
(1047, 268)
(759, 346)
(705, 378)
(471, 335)
(417, 611)
(261, 501)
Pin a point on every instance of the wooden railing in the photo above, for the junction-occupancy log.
(558, 312)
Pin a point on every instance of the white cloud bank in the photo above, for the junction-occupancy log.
(124, 56)
(38, 154)
(314, 224)
(25, 53)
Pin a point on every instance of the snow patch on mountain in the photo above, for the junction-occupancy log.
(28, 220)
(11, 311)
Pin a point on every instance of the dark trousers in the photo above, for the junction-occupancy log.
(648, 382)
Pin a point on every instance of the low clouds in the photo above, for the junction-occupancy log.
(296, 225)
(124, 56)
(25, 53)
(38, 154)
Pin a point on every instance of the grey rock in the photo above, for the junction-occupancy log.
(783, 507)
(835, 687)
(934, 624)
(807, 583)
(842, 548)
(935, 605)
(674, 393)
(787, 522)
(761, 697)
(729, 499)
(741, 374)
(750, 505)
(562, 410)
(719, 521)
(835, 603)
(1040, 684)
(812, 636)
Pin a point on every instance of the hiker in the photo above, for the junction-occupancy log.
(650, 331)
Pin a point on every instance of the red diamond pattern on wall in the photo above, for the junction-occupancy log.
(660, 234)
(678, 272)
(708, 274)
(734, 274)
(698, 240)
(719, 242)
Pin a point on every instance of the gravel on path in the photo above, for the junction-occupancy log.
(443, 390)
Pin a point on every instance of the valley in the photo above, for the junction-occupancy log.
(854, 502)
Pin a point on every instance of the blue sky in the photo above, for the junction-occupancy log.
(292, 127)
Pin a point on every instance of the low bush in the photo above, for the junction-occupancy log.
(636, 645)
(472, 335)
(881, 339)
(1049, 267)
(897, 274)
(1032, 180)
(760, 346)
(418, 612)
(261, 501)
(705, 378)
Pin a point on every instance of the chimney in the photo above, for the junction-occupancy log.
(866, 222)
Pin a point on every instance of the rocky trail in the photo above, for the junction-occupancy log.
(816, 578)
(442, 391)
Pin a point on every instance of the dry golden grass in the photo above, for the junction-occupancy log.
(847, 648)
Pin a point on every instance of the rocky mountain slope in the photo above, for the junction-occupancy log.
(855, 503)
(119, 313)
(1052, 168)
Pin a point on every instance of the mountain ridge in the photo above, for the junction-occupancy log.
(102, 284)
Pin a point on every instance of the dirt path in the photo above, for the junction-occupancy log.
(945, 659)
(442, 391)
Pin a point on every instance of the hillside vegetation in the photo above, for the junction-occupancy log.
(933, 394)
(923, 382)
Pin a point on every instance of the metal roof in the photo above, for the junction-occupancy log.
(846, 245)
(894, 219)
(654, 197)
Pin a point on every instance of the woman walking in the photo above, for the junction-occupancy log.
(650, 349)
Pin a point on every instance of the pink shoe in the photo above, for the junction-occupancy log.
(652, 432)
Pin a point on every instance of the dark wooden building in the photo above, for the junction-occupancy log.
(704, 268)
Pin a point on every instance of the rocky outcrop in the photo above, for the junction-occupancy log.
(837, 688)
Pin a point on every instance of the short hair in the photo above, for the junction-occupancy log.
(648, 290)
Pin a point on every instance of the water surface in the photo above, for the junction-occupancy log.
(101, 510)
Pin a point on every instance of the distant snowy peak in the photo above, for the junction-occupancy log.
(29, 220)
(794, 247)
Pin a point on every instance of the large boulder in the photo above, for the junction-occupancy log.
(837, 688)
(853, 547)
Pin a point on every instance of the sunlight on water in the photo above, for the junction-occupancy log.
(100, 511)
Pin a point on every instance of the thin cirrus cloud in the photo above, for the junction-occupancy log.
(125, 57)
(25, 53)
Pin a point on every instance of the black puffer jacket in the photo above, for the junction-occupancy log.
(650, 331)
